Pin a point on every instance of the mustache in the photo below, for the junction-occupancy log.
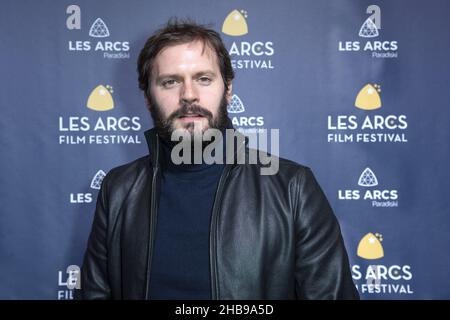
(189, 109)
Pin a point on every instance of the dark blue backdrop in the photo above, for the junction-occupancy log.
(300, 66)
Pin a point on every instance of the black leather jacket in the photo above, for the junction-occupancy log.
(271, 236)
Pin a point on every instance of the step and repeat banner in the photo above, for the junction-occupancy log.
(360, 91)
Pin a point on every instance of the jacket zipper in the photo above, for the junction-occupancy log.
(215, 294)
(153, 218)
(213, 234)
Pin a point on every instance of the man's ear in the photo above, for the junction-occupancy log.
(229, 92)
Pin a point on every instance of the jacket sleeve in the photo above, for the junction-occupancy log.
(94, 272)
(322, 268)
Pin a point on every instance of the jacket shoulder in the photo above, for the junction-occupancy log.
(283, 168)
(294, 172)
(287, 164)
(124, 175)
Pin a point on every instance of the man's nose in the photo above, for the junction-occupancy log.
(189, 93)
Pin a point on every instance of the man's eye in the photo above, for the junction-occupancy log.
(204, 80)
(169, 83)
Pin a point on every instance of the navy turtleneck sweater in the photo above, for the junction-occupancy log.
(180, 264)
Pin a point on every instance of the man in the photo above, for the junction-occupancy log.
(164, 230)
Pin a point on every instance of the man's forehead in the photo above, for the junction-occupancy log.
(200, 51)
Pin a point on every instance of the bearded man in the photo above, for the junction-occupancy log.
(169, 230)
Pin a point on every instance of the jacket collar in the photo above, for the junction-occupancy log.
(153, 146)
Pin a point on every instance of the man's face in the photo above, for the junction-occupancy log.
(187, 90)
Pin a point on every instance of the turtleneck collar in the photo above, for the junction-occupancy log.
(166, 162)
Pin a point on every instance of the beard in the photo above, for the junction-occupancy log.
(165, 126)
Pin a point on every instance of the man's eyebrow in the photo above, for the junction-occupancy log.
(210, 73)
(167, 76)
(205, 73)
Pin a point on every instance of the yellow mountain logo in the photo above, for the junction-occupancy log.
(101, 99)
(235, 23)
(368, 97)
(370, 247)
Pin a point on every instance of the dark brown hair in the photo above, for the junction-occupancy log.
(180, 32)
